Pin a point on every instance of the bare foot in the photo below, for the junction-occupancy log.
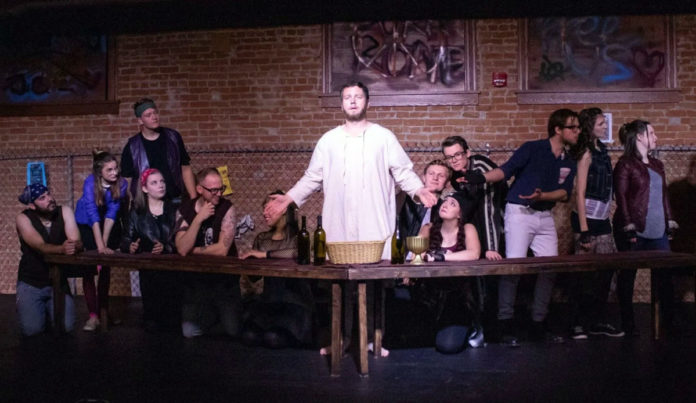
(345, 345)
(371, 348)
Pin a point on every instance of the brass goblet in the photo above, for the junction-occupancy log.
(417, 245)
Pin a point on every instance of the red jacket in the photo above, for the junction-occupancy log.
(632, 191)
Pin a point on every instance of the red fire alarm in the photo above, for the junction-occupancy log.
(499, 79)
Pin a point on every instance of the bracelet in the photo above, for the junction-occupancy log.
(439, 257)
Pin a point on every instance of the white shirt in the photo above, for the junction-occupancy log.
(358, 174)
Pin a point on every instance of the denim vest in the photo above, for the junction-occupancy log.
(599, 176)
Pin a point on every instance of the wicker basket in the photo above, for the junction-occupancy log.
(355, 252)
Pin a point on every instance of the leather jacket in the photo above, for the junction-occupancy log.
(411, 215)
(632, 190)
(144, 226)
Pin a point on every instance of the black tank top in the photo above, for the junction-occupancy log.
(209, 232)
(33, 270)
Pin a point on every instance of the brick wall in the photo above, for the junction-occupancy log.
(257, 88)
(252, 87)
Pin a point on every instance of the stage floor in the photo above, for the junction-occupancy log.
(128, 364)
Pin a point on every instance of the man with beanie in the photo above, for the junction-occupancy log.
(43, 227)
(161, 148)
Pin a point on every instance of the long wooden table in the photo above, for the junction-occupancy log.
(339, 274)
(528, 265)
(286, 268)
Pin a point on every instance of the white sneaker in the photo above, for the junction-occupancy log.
(91, 324)
(579, 333)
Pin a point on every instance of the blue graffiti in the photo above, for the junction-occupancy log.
(623, 72)
(25, 87)
(597, 50)
(53, 68)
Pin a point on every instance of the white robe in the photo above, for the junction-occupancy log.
(358, 176)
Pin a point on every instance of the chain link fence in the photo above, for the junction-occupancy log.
(253, 173)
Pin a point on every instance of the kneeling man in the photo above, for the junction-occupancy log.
(205, 226)
(43, 227)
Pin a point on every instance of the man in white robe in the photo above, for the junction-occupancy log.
(357, 164)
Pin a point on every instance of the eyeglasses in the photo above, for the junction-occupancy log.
(215, 190)
(572, 127)
(455, 156)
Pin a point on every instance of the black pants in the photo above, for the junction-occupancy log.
(161, 293)
(626, 278)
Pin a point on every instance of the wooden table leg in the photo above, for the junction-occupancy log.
(58, 301)
(103, 312)
(655, 299)
(379, 317)
(103, 320)
(336, 337)
(362, 318)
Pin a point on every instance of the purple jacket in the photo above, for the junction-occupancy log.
(87, 211)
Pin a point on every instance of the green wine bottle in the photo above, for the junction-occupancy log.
(303, 243)
(398, 247)
(319, 244)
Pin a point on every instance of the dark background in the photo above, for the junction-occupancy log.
(128, 16)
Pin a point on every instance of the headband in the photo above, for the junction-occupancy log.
(31, 193)
(466, 204)
(143, 107)
(145, 174)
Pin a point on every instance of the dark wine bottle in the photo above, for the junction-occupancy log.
(303, 243)
(319, 244)
(398, 247)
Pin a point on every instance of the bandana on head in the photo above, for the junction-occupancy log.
(31, 193)
(145, 174)
(143, 107)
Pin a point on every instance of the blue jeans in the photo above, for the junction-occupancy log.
(34, 304)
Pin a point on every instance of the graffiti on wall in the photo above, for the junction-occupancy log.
(597, 53)
(53, 69)
(420, 56)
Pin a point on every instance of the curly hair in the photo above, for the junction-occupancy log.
(436, 236)
(587, 118)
